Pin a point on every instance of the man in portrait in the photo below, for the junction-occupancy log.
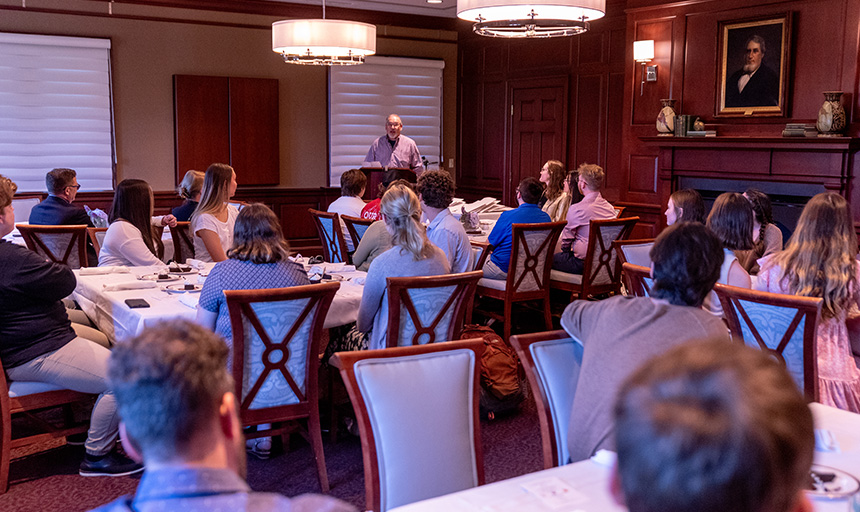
(754, 85)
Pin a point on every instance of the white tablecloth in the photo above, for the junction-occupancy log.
(588, 482)
(111, 315)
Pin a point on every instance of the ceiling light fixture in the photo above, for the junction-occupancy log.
(545, 18)
(323, 42)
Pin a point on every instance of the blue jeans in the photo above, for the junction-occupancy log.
(80, 365)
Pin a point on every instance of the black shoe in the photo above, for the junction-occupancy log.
(112, 464)
(76, 439)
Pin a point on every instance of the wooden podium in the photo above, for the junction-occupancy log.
(379, 175)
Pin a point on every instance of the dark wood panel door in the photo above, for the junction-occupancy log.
(201, 117)
(254, 134)
(538, 129)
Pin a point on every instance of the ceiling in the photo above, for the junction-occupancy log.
(446, 9)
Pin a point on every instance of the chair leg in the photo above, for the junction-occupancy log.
(5, 450)
(508, 321)
(316, 443)
(547, 314)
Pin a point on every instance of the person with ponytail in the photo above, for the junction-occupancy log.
(411, 254)
(767, 238)
(189, 189)
(213, 220)
(820, 260)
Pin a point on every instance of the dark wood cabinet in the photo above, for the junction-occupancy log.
(229, 120)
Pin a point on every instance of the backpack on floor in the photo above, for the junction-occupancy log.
(501, 388)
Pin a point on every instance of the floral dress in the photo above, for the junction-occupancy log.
(838, 374)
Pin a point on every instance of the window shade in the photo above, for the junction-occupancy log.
(55, 109)
(362, 97)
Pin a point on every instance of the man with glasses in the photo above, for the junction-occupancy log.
(395, 150)
(57, 209)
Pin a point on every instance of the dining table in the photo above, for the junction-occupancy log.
(98, 296)
(584, 486)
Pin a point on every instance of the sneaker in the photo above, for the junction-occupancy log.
(76, 439)
(112, 464)
(260, 447)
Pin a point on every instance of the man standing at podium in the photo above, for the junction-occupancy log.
(395, 150)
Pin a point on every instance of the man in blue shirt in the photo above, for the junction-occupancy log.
(501, 237)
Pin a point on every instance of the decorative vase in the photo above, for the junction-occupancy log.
(831, 116)
(666, 117)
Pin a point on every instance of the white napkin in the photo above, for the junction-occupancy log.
(605, 458)
(337, 268)
(190, 299)
(359, 280)
(197, 264)
(96, 271)
(131, 285)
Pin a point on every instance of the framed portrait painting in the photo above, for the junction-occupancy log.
(752, 71)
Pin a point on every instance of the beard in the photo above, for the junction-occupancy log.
(751, 67)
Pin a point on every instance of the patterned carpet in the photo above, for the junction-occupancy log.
(45, 477)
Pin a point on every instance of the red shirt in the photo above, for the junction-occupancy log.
(371, 210)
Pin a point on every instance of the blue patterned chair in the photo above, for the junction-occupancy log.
(782, 325)
(480, 253)
(356, 227)
(428, 309)
(331, 236)
(275, 358)
(637, 280)
(417, 412)
(637, 252)
(552, 361)
(59, 244)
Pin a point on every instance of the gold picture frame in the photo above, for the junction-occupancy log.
(752, 67)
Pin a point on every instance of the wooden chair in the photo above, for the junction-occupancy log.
(428, 309)
(355, 227)
(24, 398)
(528, 273)
(276, 381)
(417, 412)
(602, 271)
(480, 253)
(552, 361)
(637, 279)
(97, 237)
(619, 211)
(331, 236)
(637, 252)
(60, 244)
(784, 326)
(183, 245)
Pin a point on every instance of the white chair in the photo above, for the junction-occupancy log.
(637, 252)
(417, 411)
(552, 361)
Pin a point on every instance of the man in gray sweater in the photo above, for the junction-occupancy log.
(621, 333)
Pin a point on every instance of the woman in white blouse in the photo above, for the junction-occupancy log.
(213, 220)
(130, 239)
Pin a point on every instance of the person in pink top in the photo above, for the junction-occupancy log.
(820, 260)
(574, 238)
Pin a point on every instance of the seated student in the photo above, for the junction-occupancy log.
(574, 238)
(352, 185)
(371, 209)
(190, 189)
(436, 191)
(555, 200)
(37, 342)
(731, 219)
(502, 235)
(411, 254)
(820, 260)
(767, 237)
(620, 333)
(130, 239)
(57, 209)
(213, 220)
(376, 240)
(685, 205)
(180, 416)
(706, 429)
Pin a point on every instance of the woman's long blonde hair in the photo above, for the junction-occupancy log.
(402, 213)
(216, 190)
(820, 257)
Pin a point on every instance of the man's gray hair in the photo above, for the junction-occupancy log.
(759, 40)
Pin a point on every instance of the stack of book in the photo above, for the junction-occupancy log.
(799, 130)
(702, 133)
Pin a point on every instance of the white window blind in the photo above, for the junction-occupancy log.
(362, 97)
(55, 109)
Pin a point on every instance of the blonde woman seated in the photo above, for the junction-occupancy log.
(555, 200)
(820, 260)
(411, 254)
(190, 190)
(731, 219)
(213, 220)
(130, 239)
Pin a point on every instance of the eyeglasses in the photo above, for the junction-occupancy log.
(76, 187)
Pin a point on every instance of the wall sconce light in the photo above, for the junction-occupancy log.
(643, 52)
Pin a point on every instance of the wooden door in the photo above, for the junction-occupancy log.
(538, 129)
